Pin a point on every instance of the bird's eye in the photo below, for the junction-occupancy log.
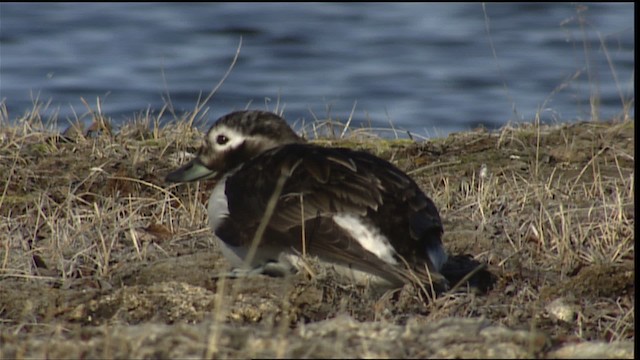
(221, 139)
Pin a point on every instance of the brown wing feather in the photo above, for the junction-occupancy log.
(324, 181)
(342, 249)
(327, 184)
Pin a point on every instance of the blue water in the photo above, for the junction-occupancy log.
(425, 67)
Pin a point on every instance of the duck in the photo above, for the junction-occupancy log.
(279, 199)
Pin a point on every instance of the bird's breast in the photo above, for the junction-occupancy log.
(218, 208)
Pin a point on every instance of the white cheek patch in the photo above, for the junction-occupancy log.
(235, 138)
(369, 238)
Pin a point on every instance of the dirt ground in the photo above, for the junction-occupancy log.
(102, 259)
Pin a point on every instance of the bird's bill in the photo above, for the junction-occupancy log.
(194, 170)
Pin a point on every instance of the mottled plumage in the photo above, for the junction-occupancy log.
(351, 208)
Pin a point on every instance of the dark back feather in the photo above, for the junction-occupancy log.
(321, 182)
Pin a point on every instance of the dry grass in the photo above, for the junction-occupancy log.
(94, 240)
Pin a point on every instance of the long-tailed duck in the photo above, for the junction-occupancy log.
(351, 209)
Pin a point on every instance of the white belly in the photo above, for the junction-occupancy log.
(218, 210)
